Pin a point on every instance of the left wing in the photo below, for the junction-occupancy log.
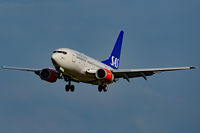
(133, 73)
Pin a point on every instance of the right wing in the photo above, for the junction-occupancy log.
(36, 71)
(19, 68)
(47, 74)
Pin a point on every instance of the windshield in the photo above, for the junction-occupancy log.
(63, 52)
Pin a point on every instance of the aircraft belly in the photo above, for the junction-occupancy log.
(80, 76)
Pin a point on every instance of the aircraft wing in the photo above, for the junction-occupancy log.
(19, 68)
(39, 71)
(36, 71)
(133, 73)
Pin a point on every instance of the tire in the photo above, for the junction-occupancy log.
(100, 88)
(67, 87)
(105, 88)
(72, 88)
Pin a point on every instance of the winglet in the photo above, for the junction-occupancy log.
(2, 67)
(193, 67)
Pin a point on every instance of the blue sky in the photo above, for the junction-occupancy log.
(158, 33)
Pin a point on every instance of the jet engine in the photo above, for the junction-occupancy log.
(104, 75)
(48, 74)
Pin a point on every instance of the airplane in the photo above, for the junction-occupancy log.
(73, 66)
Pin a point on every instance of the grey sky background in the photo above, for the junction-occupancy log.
(158, 33)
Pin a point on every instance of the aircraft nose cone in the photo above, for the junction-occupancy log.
(53, 59)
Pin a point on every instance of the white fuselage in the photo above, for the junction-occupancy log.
(76, 65)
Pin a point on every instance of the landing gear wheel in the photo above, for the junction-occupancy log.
(105, 88)
(72, 88)
(100, 88)
(67, 88)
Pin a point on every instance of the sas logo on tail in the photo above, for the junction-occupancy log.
(115, 62)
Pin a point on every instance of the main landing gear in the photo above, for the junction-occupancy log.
(102, 87)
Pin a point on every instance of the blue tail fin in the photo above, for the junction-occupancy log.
(113, 60)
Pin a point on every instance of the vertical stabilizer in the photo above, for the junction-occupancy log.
(113, 60)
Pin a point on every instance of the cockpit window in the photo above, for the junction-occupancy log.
(63, 52)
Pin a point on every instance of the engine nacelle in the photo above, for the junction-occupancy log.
(104, 75)
(48, 74)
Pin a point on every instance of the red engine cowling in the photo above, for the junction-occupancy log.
(104, 75)
(48, 74)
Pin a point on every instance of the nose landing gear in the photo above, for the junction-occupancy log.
(69, 87)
